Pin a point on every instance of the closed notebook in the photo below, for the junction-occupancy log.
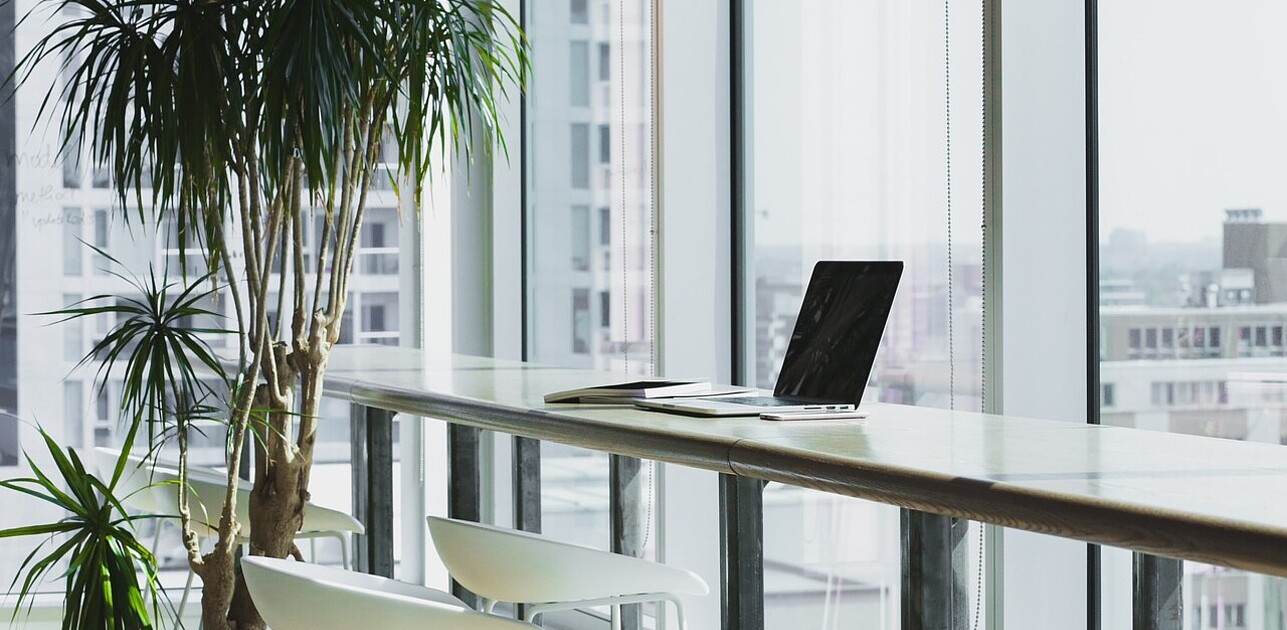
(624, 392)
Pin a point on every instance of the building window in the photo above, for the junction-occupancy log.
(1261, 337)
(102, 177)
(581, 321)
(73, 413)
(73, 333)
(373, 235)
(1107, 395)
(605, 309)
(580, 10)
(580, 156)
(72, 173)
(1135, 339)
(101, 240)
(373, 318)
(605, 62)
(605, 144)
(1150, 339)
(1168, 339)
(1278, 336)
(605, 226)
(579, 74)
(581, 238)
(72, 246)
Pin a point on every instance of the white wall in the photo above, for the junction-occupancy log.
(693, 276)
(1043, 243)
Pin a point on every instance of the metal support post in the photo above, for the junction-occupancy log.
(1159, 601)
(527, 484)
(741, 534)
(527, 489)
(464, 485)
(935, 584)
(628, 516)
(372, 460)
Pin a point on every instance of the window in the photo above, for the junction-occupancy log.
(581, 238)
(72, 173)
(73, 261)
(605, 309)
(580, 321)
(1107, 395)
(73, 413)
(102, 177)
(373, 318)
(373, 235)
(102, 231)
(580, 170)
(579, 74)
(580, 11)
(73, 333)
(847, 158)
(1199, 249)
(605, 61)
(588, 234)
(605, 144)
(1135, 339)
(1150, 338)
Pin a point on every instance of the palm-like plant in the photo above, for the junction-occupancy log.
(95, 541)
(246, 120)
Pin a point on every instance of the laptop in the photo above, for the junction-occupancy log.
(832, 349)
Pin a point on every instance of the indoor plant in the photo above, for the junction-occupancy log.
(246, 120)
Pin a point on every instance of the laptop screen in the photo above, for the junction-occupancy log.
(838, 330)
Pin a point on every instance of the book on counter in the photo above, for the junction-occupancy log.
(623, 393)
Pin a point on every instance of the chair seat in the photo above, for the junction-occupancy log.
(300, 596)
(513, 566)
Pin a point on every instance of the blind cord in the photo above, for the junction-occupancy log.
(625, 276)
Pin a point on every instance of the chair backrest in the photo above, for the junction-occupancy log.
(298, 596)
(514, 566)
(132, 489)
(205, 502)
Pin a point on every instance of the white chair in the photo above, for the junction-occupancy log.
(504, 565)
(300, 596)
(153, 489)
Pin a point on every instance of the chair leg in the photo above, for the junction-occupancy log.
(679, 611)
(344, 549)
(187, 589)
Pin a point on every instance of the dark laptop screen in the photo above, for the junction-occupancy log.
(838, 330)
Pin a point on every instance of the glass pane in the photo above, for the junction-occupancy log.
(1193, 217)
(855, 152)
(589, 213)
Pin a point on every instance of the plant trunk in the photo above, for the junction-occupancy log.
(281, 488)
(217, 588)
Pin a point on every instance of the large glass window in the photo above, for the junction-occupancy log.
(589, 216)
(1193, 219)
(856, 151)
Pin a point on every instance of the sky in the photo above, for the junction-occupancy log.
(1193, 114)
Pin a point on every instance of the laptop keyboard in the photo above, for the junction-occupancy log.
(764, 401)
